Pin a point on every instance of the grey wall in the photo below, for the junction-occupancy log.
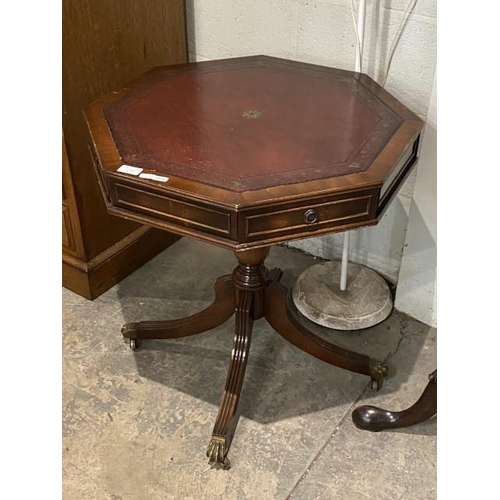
(417, 289)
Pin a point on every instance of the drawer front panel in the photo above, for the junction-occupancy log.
(313, 215)
(172, 210)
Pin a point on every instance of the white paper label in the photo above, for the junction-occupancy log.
(154, 177)
(127, 169)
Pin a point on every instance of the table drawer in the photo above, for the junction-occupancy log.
(172, 210)
(310, 215)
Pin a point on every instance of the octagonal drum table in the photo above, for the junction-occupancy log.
(244, 153)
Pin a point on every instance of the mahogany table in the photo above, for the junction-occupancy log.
(245, 153)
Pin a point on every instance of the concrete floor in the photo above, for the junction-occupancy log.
(137, 424)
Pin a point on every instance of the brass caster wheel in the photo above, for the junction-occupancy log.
(134, 344)
(376, 384)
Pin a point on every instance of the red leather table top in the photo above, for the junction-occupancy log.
(250, 125)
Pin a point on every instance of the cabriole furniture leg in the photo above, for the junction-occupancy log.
(372, 418)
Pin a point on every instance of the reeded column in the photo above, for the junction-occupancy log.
(250, 277)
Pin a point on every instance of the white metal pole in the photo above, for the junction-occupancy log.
(361, 34)
(345, 260)
(359, 57)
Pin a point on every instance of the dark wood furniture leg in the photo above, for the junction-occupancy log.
(279, 313)
(372, 418)
(250, 278)
(217, 313)
(226, 418)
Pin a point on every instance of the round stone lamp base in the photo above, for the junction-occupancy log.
(366, 301)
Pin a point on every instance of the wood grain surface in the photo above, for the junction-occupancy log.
(106, 43)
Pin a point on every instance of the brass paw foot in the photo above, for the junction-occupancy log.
(128, 330)
(378, 371)
(217, 451)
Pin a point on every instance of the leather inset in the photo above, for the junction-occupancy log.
(251, 125)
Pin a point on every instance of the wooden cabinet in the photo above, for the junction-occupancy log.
(107, 43)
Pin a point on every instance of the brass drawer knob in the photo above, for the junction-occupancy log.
(310, 216)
